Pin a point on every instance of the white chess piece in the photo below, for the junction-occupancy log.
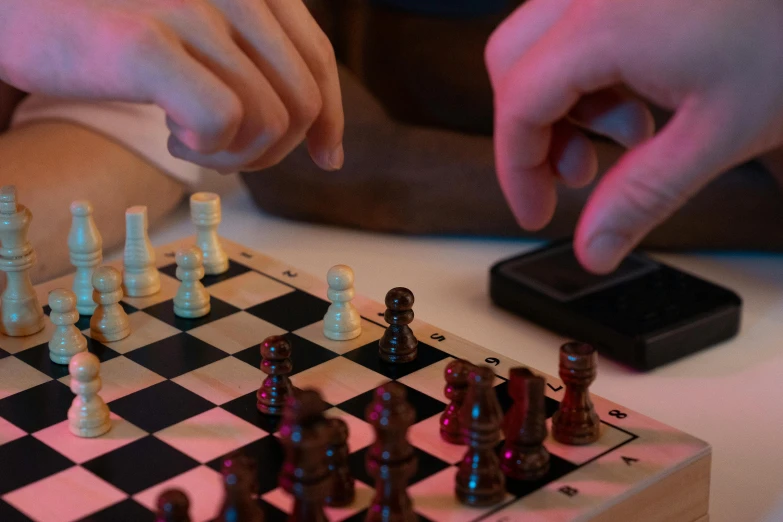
(67, 340)
(192, 299)
(342, 321)
(205, 214)
(20, 312)
(88, 415)
(140, 276)
(85, 246)
(109, 322)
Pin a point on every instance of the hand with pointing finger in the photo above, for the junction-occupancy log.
(242, 82)
(556, 65)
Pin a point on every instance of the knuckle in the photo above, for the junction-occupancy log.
(276, 127)
(141, 36)
(308, 109)
(216, 125)
(497, 47)
(324, 60)
(229, 116)
(652, 201)
(187, 9)
(207, 16)
(492, 50)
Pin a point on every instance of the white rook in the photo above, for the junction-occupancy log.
(20, 312)
(205, 213)
(86, 250)
(140, 276)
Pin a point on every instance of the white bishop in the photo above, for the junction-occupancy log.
(85, 247)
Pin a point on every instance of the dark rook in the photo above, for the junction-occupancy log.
(575, 421)
(524, 456)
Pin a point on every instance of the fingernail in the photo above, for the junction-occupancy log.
(606, 250)
(333, 159)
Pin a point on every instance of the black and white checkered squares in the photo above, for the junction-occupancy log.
(182, 395)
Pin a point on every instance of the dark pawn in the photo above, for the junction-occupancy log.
(391, 460)
(524, 456)
(575, 421)
(342, 491)
(456, 375)
(173, 506)
(398, 344)
(479, 479)
(276, 363)
(305, 437)
(239, 479)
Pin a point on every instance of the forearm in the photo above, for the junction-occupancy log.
(52, 164)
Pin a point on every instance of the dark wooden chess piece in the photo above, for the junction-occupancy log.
(575, 421)
(241, 487)
(173, 506)
(305, 437)
(524, 456)
(341, 492)
(456, 375)
(391, 460)
(480, 482)
(398, 344)
(276, 363)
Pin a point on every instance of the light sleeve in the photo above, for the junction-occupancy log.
(139, 127)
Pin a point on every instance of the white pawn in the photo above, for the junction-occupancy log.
(342, 321)
(140, 276)
(88, 415)
(109, 322)
(192, 299)
(85, 246)
(205, 214)
(67, 340)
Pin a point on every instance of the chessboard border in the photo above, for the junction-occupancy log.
(695, 465)
(682, 486)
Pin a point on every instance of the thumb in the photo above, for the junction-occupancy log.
(651, 182)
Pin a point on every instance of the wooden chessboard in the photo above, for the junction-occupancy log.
(182, 395)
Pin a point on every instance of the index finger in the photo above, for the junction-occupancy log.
(325, 136)
(539, 90)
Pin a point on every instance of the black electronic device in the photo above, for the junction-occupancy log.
(644, 314)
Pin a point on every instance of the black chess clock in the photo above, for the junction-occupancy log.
(645, 314)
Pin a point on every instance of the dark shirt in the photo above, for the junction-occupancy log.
(447, 7)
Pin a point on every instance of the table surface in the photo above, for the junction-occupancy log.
(728, 395)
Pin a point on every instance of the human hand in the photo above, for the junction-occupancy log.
(555, 66)
(242, 82)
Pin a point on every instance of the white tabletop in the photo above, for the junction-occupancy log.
(729, 395)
